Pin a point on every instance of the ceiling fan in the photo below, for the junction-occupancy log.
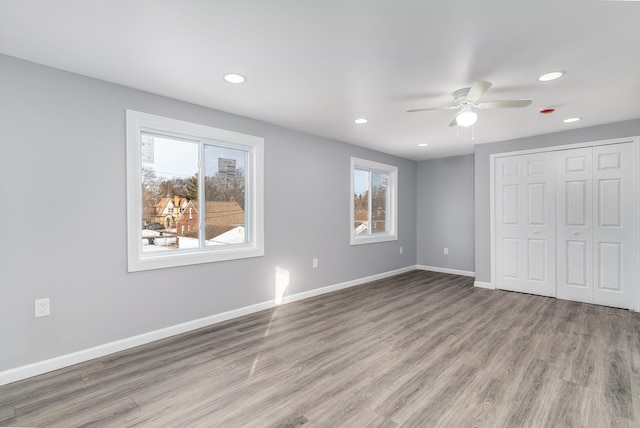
(466, 99)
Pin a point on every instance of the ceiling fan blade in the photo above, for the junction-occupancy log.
(505, 104)
(453, 122)
(476, 91)
(432, 108)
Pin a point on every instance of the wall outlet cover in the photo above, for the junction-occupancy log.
(41, 308)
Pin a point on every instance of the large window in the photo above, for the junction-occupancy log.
(374, 202)
(194, 193)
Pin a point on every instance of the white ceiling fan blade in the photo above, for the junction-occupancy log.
(432, 108)
(453, 122)
(505, 104)
(477, 90)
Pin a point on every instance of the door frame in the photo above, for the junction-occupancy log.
(636, 162)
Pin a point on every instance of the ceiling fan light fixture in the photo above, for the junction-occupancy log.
(466, 118)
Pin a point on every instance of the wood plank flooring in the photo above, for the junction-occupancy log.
(421, 349)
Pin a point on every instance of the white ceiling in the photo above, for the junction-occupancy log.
(315, 66)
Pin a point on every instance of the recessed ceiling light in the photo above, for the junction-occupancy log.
(423, 144)
(361, 120)
(551, 76)
(234, 78)
(572, 119)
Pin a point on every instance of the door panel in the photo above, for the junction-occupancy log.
(510, 204)
(615, 228)
(609, 203)
(577, 255)
(537, 253)
(525, 223)
(610, 266)
(577, 162)
(536, 167)
(510, 261)
(609, 161)
(574, 179)
(576, 202)
(536, 204)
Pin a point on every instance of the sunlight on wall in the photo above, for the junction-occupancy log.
(282, 282)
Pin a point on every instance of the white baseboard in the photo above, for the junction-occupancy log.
(34, 369)
(481, 284)
(446, 270)
(336, 287)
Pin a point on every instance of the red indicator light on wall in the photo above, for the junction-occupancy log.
(547, 110)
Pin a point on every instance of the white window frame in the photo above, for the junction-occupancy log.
(137, 122)
(392, 202)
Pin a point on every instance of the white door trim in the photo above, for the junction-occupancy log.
(635, 140)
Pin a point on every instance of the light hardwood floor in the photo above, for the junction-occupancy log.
(421, 349)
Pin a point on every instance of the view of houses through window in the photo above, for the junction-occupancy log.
(370, 201)
(181, 209)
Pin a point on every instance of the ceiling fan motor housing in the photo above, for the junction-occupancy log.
(460, 96)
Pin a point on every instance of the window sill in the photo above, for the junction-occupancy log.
(191, 258)
(372, 239)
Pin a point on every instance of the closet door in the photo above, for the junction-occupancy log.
(525, 223)
(596, 225)
(574, 226)
(614, 231)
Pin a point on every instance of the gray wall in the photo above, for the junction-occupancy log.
(63, 218)
(482, 169)
(445, 212)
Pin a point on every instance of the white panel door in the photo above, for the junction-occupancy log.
(525, 223)
(574, 224)
(614, 228)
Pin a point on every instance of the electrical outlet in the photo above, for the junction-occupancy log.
(446, 250)
(41, 308)
(315, 263)
(400, 250)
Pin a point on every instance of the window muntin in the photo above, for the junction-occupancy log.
(176, 165)
(373, 204)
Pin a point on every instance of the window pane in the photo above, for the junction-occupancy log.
(226, 203)
(360, 202)
(169, 185)
(379, 185)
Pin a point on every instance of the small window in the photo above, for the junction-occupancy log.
(374, 202)
(214, 176)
